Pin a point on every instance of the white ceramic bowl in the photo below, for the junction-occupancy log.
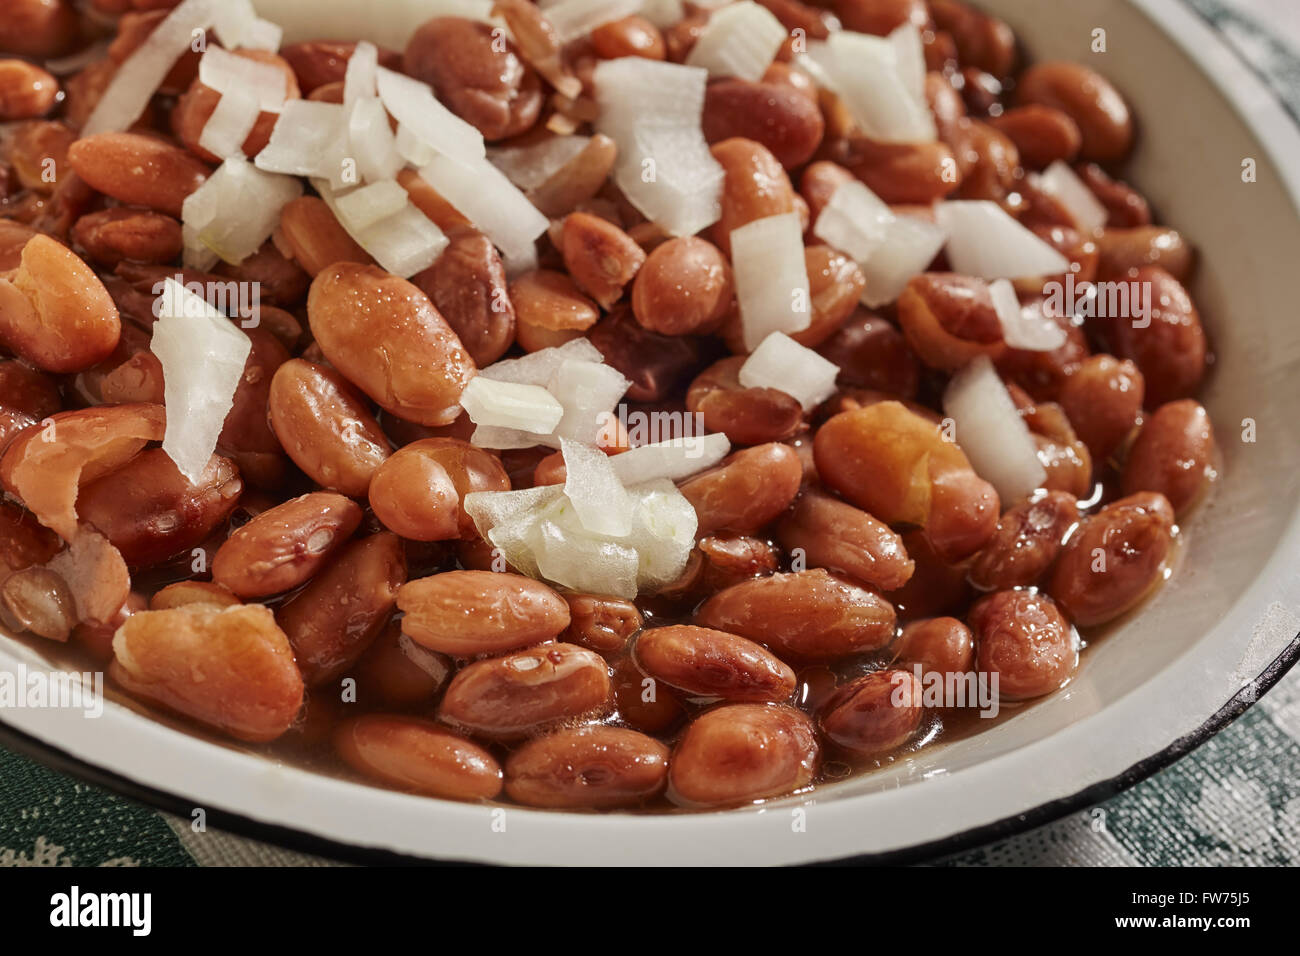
(1222, 631)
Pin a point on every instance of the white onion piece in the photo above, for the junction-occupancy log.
(390, 24)
(539, 368)
(984, 241)
(504, 518)
(413, 104)
(404, 243)
(411, 148)
(528, 408)
(854, 220)
(1061, 182)
(662, 13)
(603, 504)
(202, 354)
(374, 146)
(864, 71)
(771, 277)
(139, 76)
(991, 432)
(674, 459)
(568, 554)
(909, 58)
(309, 139)
(576, 18)
(781, 363)
(233, 119)
(910, 246)
(361, 78)
(663, 532)
(225, 72)
(589, 392)
(483, 195)
(505, 439)
(1027, 328)
(740, 40)
(530, 166)
(238, 208)
(364, 206)
(237, 24)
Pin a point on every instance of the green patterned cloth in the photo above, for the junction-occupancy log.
(1234, 801)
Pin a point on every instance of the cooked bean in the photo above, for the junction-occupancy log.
(524, 692)
(818, 185)
(782, 119)
(875, 713)
(684, 287)
(702, 662)
(418, 491)
(38, 155)
(1170, 349)
(27, 396)
(949, 320)
(755, 187)
(195, 108)
(1043, 374)
(26, 91)
(655, 364)
(1087, 98)
(386, 337)
(1023, 641)
(332, 621)
(137, 26)
(987, 159)
(1173, 454)
(939, 644)
(587, 767)
(630, 36)
(1028, 538)
(1123, 250)
(601, 622)
(1113, 559)
(643, 703)
(747, 416)
(982, 41)
(872, 353)
(286, 545)
(880, 17)
(1063, 456)
(231, 668)
(467, 284)
(246, 437)
(834, 535)
(138, 170)
(121, 233)
(963, 514)
(324, 427)
(398, 672)
(1125, 207)
(419, 756)
(935, 587)
(319, 62)
(315, 238)
(465, 613)
(747, 490)
(806, 615)
(39, 28)
(835, 284)
(740, 753)
(1042, 134)
(919, 173)
(55, 312)
(183, 593)
(600, 257)
(1103, 399)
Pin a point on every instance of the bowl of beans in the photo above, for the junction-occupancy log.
(592, 432)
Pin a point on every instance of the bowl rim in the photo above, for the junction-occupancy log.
(1259, 108)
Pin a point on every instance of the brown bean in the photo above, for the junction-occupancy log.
(1042, 134)
(26, 397)
(834, 535)
(835, 284)
(727, 559)
(315, 238)
(982, 41)
(941, 645)
(548, 300)
(1173, 454)
(806, 615)
(1113, 559)
(318, 62)
(963, 516)
(871, 353)
(935, 587)
(755, 187)
(600, 257)
(55, 312)
(325, 428)
(1123, 250)
(26, 91)
(509, 697)
(1023, 641)
(949, 320)
(780, 118)
(387, 338)
(702, 662)
(279, 280)
(875, 713)
(987, 160)
(747, 490)
(194, 109)
(919, 173)
(183, 593)
(741, 753)
(880, 17)
(478, 75)
(587, 767)
(151, 512)
(1028, 538)
(465, 613)
(121, 233)
(430, 202)
(418, 756)
(655, 364)
(685, 287)
(397, 672)
(630, 36)
(39, 28)
(1043, 374)
(231, 668)
(1088, 98)
(601, 622)
(1125, 207)
(418, 491)
(246, 437)
(138, 170)
(1103, 400)
(747, 416)
(332, 621)
(38, 155)
(467, 284)
(286, 545)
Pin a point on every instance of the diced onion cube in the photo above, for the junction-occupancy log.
(662, 13)
(404, 243)
(1060, 181)
(864, 71)
(674, 459)
(781, 363)
(373, 144)
(237, 208)
(909, 57)
(528, 408)
(984, 241)
(854, 220)
(771, 277)
(991, 432)
(309, 139)
(361, 77)
(504, 518)
(1024, 328)
(539, 368)
(367, 205)
(602, 503)
(589, 391)
(530, 166)
(233, 119)
(226, 72)
(910, 246)
(663, 532)
(568, 554)
(413, 104)
(739, 40)
(411, 148)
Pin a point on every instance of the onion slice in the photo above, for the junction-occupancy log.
(528, 408)
(604, 507)
(984, 241)
(1061, 182)
(404, 243)
(739, 40)
(771, 277)
(530, 166)
(309, 139)
(991, 432)
(413, 104)
(237, 208)
(361, 208)
(230, 123)
(674, 459)
(854, 220)
(781, 363)
(910, 246)
(879, 92)
(227, 73)
(1024, 328)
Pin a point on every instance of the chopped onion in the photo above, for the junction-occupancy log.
(589, 392)
(528, 408)
(539, 368)
(530, 166)
(388, 24)
(865, 72)
(413, 104)
(404, 243)
(1024, 328)
(854, 220)
(782, 363)
(373, 144)
(504, 439)
(663, 533)
(482, 194)
(576, 18)
(568, 554)
(909, 58)
(910, 246)
(230, 123)
(984, 241)
(1061, 182)
(238, 208)
(591, 485)
(662, 13)
(202, 354)
(361, 78)
(225, 72)
(991, 432)
(674, 459)
(139, 76)
(309, 139)
(504, 518)
(771, 277)
(740, 40)
(411, 148)
(361, 208)
(237, 24)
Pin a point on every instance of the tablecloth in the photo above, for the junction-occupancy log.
(1233, 801)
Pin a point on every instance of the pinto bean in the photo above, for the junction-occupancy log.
(286, 545)
(465, 613)
(784, 120)
(418, 756)
(194, 109)
(1173, 454)
(755, 187)
(684, 287)
(880, 17)
(1103, 400)
(1028, 538)
(587, 767)
(835, 284)
(26, 91)
(1125, 206)
(1103, 118)
(27, 396)
(182, 593)
(702, 662)
(418, 491)
(920, 173)
(872, 353)
(949, 320)
(747, 416)
(1022, 640)
(1042, 134)
(740, 753)
(874, 714)
(600, 257)
(138, 170)
(397, 672)
(314, 237)
(834, 535)
(655, 364)
(38, 600)
(941, 645)
(982, 41)
(467, 284)
(121, 233)
(319, 62)
(600, 622)
(1121, 251)
(747, 490)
